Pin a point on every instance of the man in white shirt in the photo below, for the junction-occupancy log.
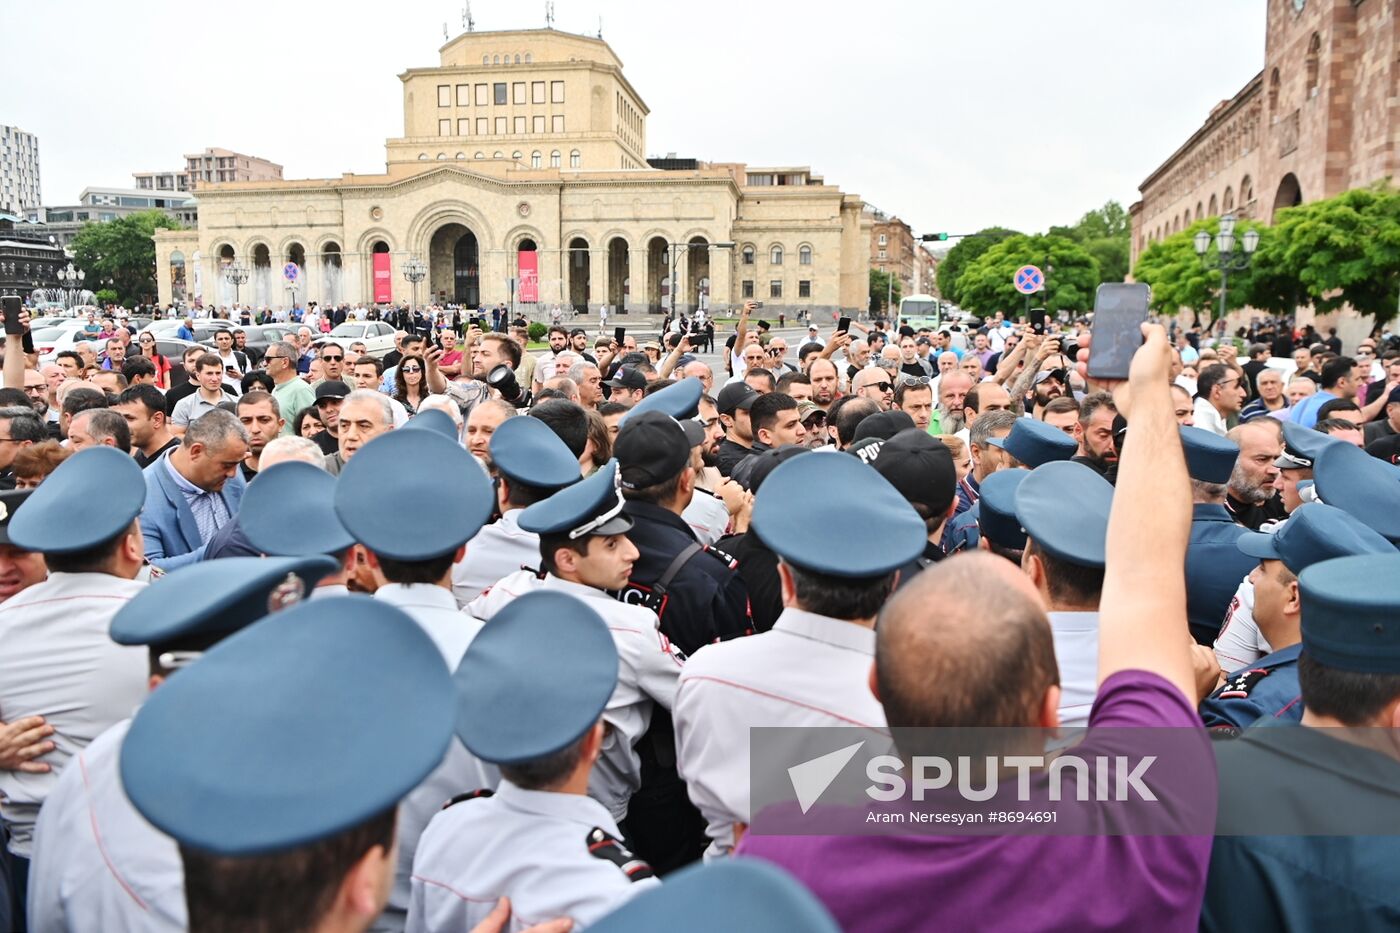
(1220, 394)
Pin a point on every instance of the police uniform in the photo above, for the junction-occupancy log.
(1306, 825)
(554, 854)
(528, 453)
(1077, 537)
(650, 664)
(381, 504)
(1031, 444)
(996, 500)
(290, 511)
(98, 863)
(1214, 566)
(1363, 486)
(1269, 688)
(810, 670)
(331, 752)
(57, 660)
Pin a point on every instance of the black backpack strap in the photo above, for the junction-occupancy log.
(673, 568)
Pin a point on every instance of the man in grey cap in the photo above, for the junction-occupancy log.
(734, 403)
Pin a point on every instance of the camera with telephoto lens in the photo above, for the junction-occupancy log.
(502, 379)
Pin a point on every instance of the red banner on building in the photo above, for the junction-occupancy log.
(383, 278)
(529, 276)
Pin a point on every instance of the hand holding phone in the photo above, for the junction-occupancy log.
(1120, 310)
(619, 334)
(844, 325)
(1038, 320)
(13, 308)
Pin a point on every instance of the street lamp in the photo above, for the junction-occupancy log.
(72, 280)
(236, 274)
(1226, 259)
(415, 270)
(675, 264)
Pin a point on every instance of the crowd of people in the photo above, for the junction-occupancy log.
(473, 637)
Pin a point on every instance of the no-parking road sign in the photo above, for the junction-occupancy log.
(1028, 280)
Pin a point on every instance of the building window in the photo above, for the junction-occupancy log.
(501, 129)
(444, 95)
(537, 124)
(775, 256)
(516, 155)
(444, 127)
(495, 59)
(479, 155)
(748, 255)
(483, 126)
(575, 159)
(422, 157)
(804, 256)
(527, 58)
(556, 92)
(882, 254)
(804, 288)
(537, 92)
(775, 288)
(557, 123)
(883, 239)
(746, 288)
(554, 159)
(498, 154)
(1274, 83)
(499, 90)
(1314, 53)
(486, 59)
(517, 92)
(519, 123)
(464, 95)
(464, 126)
(536, 160)
(482, 98)
(461, 155)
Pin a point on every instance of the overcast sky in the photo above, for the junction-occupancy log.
(953, 114)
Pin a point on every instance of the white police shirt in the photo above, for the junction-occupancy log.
(58, 661)
(452, 630)
(1076, 636)
(707, 516)
(498, 550)
(98, 864)
(538, 848)
(1240, 643)
(648, 670)
(809, 670)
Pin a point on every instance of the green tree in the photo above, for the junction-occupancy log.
(986, 285)
(121, 255)
(1180, 281)
(106, 296)
(1341, 251)
(1105, 233)
(880, 286)
(962, 255)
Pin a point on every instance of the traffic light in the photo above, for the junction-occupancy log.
(934, 237)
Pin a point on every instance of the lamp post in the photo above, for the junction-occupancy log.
(1226, 259)
(415, 270)
(72, 280)
(236, 274)
(675, 264)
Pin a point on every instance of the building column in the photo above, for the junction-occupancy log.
(597, 276)
(639, 271)
(722, 296)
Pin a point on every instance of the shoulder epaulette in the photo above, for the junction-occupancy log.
(603, 845)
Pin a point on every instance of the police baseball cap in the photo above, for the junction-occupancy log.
(680, 400)
(516, 703)
(592, 506)
(737, 396)
(767, 461)
(920, 467)
(883, 424)
(1210, 458)
(435, 420)
(91, 498)
(331, 388)
(628, 377)
(351, 741)
(389, 495)
(201, 603)
(651, 448)
(527, 451)
(996, 509)
(884, 534)
(1348, 613)
(1359, 484)
(1036, 443)
(1064, 508)
(10, 501)
(290, 509)
(1314, 533)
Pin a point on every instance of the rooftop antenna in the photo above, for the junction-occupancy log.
(467, 20)
(600, 27)
(549, 16)
(445, 35)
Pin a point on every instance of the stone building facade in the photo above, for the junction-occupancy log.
(522, 175)
(1323, 116)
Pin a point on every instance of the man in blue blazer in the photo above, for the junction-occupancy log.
(194, 490)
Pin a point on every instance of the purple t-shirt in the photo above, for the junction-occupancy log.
(1015, 882)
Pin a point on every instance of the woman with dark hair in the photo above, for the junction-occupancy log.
(146, 343)
(409, 386)
(257, 379)
(307, 423)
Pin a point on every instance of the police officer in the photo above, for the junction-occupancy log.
(1030, 443)
(1268, 688)
(1307, 816)
(999, 530)
(98, 864)
(707, 515)
(531, 463)
(261, 771)
(540, 839)
(921, 469)
(813, 668)
(1214, 566)
(290, 511)
(1360, 485)
(389, 496)
(584, 552)
(57, 661)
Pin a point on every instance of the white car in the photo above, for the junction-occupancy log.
(377, 336)
(49, 341)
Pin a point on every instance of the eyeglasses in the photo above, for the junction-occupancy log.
(333, 359)
(907, 380)
(145, 340)
(883, 386)
(410, 369)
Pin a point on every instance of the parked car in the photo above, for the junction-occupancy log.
(203, 328)
(262, 336)
(49, 341)
(377, 336)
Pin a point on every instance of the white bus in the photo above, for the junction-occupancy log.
(920, 311)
